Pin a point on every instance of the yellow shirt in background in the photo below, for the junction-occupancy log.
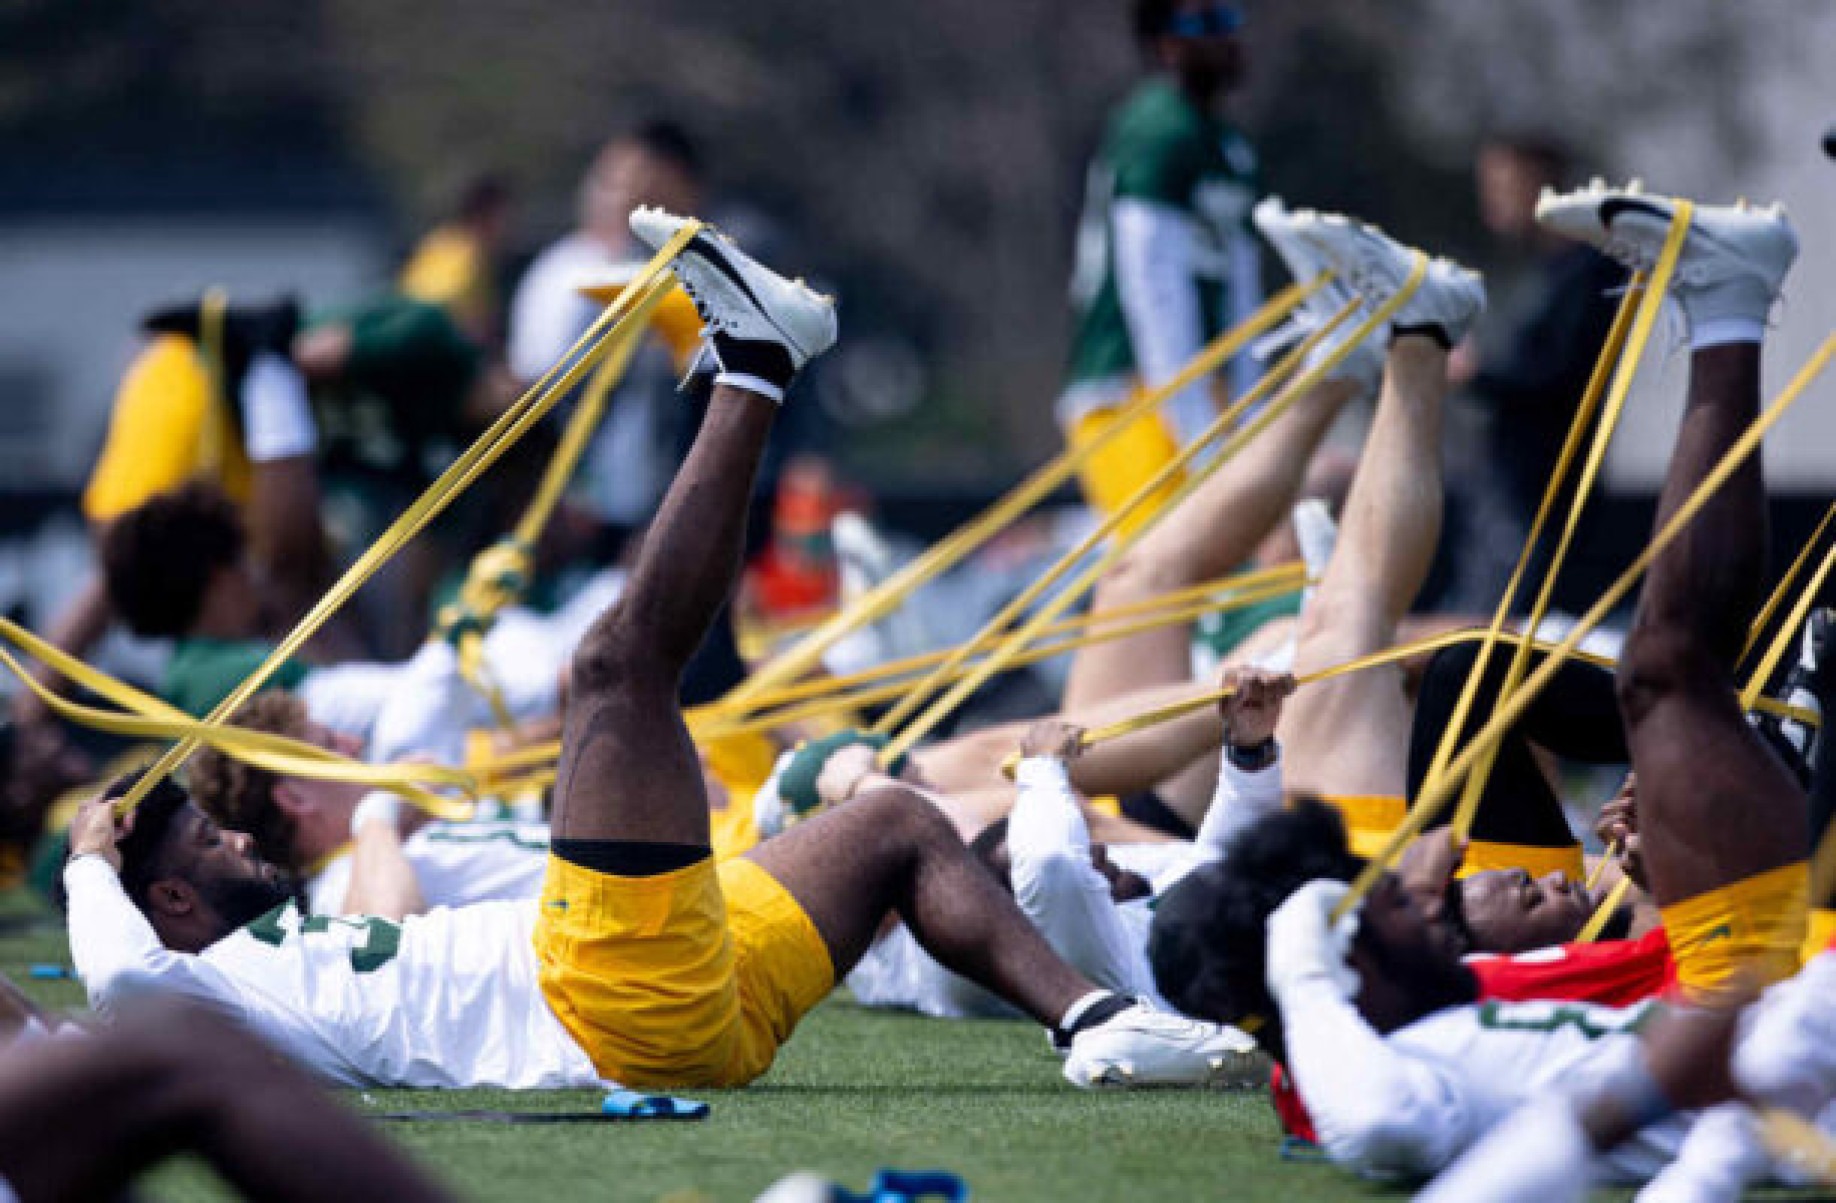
(450, 269)
(164, 431)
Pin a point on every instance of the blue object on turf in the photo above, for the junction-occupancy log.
(48, 973)
(909, 1186)
(629, 1104)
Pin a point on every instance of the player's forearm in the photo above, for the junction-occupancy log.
(383, 882)
(1242, 797)
(1156, 280)
(1377, 1112)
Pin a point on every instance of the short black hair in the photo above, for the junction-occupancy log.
(1207, 945)
(665, 139)
(1151, 18)
(481, 195)
(158, 559)
(143, 849)
(1544, 148)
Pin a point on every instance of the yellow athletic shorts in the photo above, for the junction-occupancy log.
(1535, 859)
(1370, 819)
(1749, 933)
(1126, 463)
(1821, 933)
(685, 979)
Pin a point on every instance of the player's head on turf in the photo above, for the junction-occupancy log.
(1208, 944)
(195, 882)
(991, 849)
(177, 566)
(293, 820)
(1194, 40)
(1508, 910)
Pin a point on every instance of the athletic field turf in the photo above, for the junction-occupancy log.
(854, 1090)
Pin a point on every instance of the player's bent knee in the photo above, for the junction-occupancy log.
(905, 814)
(1660, 665)
(615, 660)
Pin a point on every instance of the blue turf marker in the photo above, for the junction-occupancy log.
(49, 973)
(629, 1104)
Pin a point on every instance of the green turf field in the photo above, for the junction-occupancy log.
(854, 1090)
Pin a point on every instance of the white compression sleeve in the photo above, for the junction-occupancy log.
(1378, 1111)
(1059, 888)
(1241, 799)
(276, 412)
(1156, 253)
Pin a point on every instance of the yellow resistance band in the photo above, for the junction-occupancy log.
(921, 725)
(213, 433)
(514, 422)
(1119, 622)
(889, 594)
(1783, 589)
(151, 719)
(1122, 524)
(1754, 694)
(1656, 288)
(1430, 803)
(500, 574)
(1045, 650)
(1175, 605)
(1584, 413)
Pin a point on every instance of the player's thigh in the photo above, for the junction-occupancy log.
(1348, 735)
(629, 770)
(1715, 805)
(848, 867)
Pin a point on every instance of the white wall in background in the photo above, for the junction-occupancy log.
(72, 291)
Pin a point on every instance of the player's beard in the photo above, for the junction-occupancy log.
(243, 900)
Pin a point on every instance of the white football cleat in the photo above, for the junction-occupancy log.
(1376, 266)
(740, 299)
(1734, 257)
(1142, 1046)
(1364, 365)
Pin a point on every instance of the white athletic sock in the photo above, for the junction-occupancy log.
(1077, 1010)
(1723, 331)
(1540, 1154)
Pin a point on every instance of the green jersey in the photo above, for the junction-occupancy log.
(1165, 258)
(202, 672)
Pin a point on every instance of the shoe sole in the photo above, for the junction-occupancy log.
(1232, 1071)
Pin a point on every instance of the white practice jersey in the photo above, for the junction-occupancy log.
(1058, 887)
(448, 999)
(457, 864)
(1403, 1106)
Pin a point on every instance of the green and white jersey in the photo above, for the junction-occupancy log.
(457, 864)
(1166, 259)
(445, 1000)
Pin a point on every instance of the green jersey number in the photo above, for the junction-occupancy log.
(1591, 1022)
(381, 941)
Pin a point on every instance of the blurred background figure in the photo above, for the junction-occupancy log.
(458, 263)
(567, 285)
(1527, 364)
(1166, 259)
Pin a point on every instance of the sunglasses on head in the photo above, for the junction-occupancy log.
(1217, 21)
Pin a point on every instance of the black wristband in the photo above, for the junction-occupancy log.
(1255, 757)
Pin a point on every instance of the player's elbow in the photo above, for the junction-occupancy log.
(1388, 1145)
